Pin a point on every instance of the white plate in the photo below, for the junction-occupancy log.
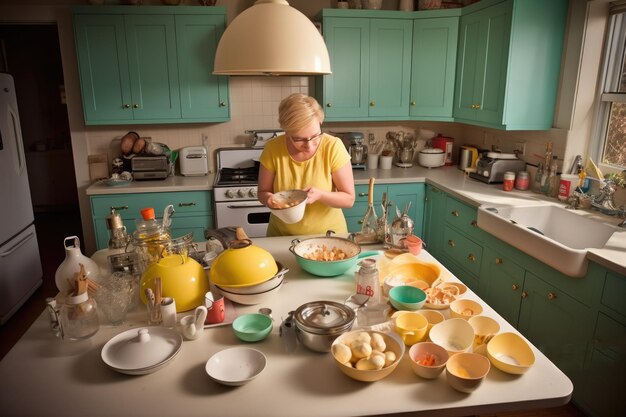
(236, 366)
(129, 354)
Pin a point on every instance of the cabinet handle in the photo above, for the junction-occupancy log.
(222, 104)
(186, 204)
(135, 106)
(524, 294)
(471, 258)
(477, 106)
(372, 103)
(455, 213)
(329, 104)
(514, 287)
(118, 208)
(451, 243)
(413, 103)
(551, 295)
(362, 194)
(474, 223)
(126, 106)
(499, 261)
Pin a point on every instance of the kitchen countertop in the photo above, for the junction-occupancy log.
(449, 179)
(44, 375)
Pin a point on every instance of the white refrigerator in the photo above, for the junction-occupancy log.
(20, 264)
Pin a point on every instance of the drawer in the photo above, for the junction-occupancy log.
(610, 336)
(463, 217)
(462, 250)
(129, 205)
(613, 292)
(360, 194)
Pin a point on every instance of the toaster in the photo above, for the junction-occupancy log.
(491, 167)
(193, 161)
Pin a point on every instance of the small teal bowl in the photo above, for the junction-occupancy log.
(252, 327)
(407, 297)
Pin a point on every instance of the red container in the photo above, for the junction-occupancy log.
(445, 143)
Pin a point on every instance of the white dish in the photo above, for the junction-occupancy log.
(235, 366)
(249, 299)
(141, 350)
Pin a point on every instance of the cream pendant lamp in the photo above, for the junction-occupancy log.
(271, 38)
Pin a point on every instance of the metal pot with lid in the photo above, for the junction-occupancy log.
(318, 323)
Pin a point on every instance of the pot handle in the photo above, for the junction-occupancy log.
(369, 253)
(329, 233)
(75, 239)
(293, 245)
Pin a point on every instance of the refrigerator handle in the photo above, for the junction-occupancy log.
(17, 245)
(19, 145)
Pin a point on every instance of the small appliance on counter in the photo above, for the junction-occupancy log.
(431, 158)
(356, 147)
(491, 166)
(194, 161)
(445, 143)
(150, 167)
(468, 158)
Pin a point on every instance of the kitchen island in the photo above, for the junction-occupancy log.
(43, 375)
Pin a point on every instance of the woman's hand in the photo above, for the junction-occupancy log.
(313, 194)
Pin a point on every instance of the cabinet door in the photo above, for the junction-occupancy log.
(354, 215)
(504, 281)
(433, 67)
(433, 220)
(346, 90)
(400, 195)
(103, 67)
(151, 44)
(470, 65)
(203, 96)
(390, 67)
(557, 324)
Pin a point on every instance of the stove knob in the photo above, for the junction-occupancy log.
(241, 193)
(253, 193)
(230, 193)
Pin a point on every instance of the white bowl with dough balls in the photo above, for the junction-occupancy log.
(289, 205)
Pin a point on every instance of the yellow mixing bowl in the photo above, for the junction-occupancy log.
(242, 264)
(182, 278)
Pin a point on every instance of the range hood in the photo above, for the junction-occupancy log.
(271, 38)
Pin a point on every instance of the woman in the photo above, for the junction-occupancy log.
(307, 159)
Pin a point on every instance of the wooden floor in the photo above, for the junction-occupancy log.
(52, 228)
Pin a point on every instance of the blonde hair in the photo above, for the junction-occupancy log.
(297, 110)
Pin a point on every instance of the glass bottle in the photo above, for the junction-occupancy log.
(552, 185)
(538, 178)
(367, 282)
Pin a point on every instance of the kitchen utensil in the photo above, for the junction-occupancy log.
(465, 372)
(250, 298)
(252, 327)
(510, 353)
(468, 157)
(77, 317)
(455, 335)
(318, 323)
(64, 275)
(433, 317)
(465, 308)
(407, 297)
(216, 309)
(401, 227)
(368, 227)
(485, 328)
(410, 326)
(428, 360)
(292, 205)
(431, 157)
(235, 366)
(192, 325)
(142, 350)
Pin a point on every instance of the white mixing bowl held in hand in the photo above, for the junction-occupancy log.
(288, 205)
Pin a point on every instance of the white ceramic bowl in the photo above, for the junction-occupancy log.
(431, 157)
(425, 350)
(455, 335)
(250, 299)
(261, 287)
(510, 353)
(465, 309)
(296, 201)
(235, 366)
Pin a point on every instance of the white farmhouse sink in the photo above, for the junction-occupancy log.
(554, 235)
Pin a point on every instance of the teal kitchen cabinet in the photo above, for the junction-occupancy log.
(193, 211)
(398, 195)
(149, 64)
(504, 281)
(433, 68)
(508, 63)
(371, 64)
(434, 205)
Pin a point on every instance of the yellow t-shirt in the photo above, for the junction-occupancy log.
(314, 172)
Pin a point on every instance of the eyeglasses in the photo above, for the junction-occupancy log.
(302, 140)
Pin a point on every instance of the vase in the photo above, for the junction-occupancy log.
(65, 276)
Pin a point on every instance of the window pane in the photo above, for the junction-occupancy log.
(615, 145)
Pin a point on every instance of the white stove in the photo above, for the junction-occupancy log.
(235, 191)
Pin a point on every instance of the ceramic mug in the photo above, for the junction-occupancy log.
(216, 311)
(192, 326)
(411, 326)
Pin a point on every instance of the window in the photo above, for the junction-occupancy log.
(611, 151)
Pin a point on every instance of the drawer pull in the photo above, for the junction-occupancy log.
(515, 287)
(126, 106)
(372, 103)
(474, 223)
(471, 258)
(135, 106)
(186, 204)
(222, 104)
(329, 104)
(551, 295)
(499, 261)
(524, 294)
(118, 208)
(413, 103)
(455, 213)
(451, 243)
(362, 194)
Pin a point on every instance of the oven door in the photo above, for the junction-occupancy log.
(251, 215)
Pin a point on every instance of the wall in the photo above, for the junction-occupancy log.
(254, 103)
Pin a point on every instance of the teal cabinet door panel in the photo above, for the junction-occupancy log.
(103, 75)
(604, 386)
(433, 67)
(151, 45)
(401, 195)
(504, 282)
(346, 90)
(202, 94)
(434, 220)
(469, 67)
(390, 67)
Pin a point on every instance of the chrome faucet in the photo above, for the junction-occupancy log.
(605, 200)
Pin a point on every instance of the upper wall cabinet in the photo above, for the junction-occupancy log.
(508, 64)
(150, 64)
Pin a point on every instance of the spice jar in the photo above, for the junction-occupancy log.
(522, 181)
(509, 179)
(367, 282)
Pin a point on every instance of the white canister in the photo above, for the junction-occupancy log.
(372, 161)
(567, 185)
(65, 275)
(385, 161)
